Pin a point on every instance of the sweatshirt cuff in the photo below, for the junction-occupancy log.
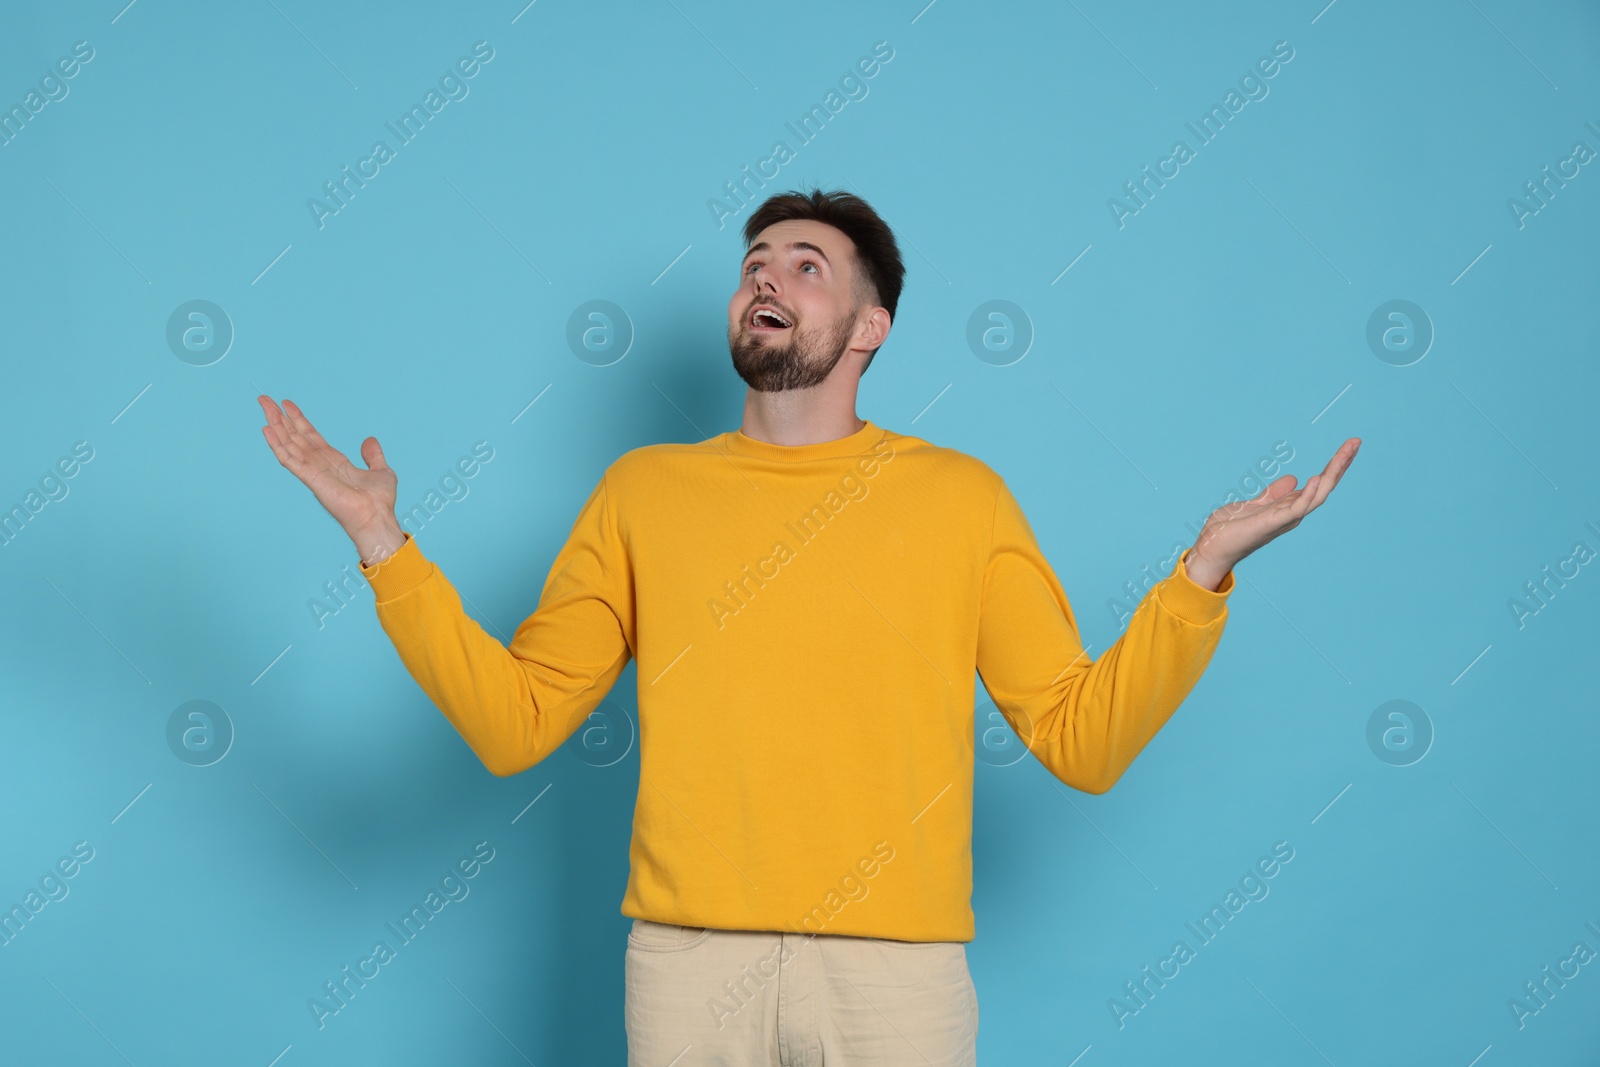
(1191, 602)
(404, 570)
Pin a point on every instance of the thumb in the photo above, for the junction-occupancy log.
(372, 453)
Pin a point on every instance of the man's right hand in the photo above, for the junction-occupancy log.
(361, 501)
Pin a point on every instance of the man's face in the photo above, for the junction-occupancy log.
(805, 273)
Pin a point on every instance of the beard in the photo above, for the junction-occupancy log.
(801, 360)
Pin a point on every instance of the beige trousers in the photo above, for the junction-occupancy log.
(700, 997)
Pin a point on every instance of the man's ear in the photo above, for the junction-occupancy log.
(875, 328)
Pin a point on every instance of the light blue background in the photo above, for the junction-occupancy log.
(1229, 314)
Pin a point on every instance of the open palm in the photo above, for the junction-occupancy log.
(358, 499)
(1238, 529)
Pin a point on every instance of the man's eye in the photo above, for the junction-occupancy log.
(804, 263)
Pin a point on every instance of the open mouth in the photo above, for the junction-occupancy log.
(765, 318)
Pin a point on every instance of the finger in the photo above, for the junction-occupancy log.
(296, 418)
(303, 424)
(1294, 495)
(276, 431)
(1325, 484)
(1316, 490)
(1295, 504)
(1341, 458)
(373, 457)
(274, 416)
(290, 449)
(1354, 445)
(314, 450)
(296, 449)
(1279, 487)
(1310, 497)
(1336, 467)
(272, 443)
(1275, 492)
(305, 454)
(288, 436)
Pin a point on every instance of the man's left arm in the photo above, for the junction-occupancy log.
(1087, 720)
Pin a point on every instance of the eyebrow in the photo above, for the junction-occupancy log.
(764, 246)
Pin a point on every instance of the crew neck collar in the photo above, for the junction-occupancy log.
(854, 444)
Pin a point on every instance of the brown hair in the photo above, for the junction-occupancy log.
(879, 270)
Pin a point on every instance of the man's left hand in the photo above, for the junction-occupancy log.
(1235, 530)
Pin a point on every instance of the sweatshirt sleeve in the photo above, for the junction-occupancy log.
(516, 705)
(1086, 720)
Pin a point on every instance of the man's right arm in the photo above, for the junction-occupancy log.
(516, 705)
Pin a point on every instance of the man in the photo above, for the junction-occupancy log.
(808, 599)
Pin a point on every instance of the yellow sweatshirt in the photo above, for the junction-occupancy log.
(807, 623)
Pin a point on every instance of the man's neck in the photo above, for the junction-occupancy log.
(789, 419)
